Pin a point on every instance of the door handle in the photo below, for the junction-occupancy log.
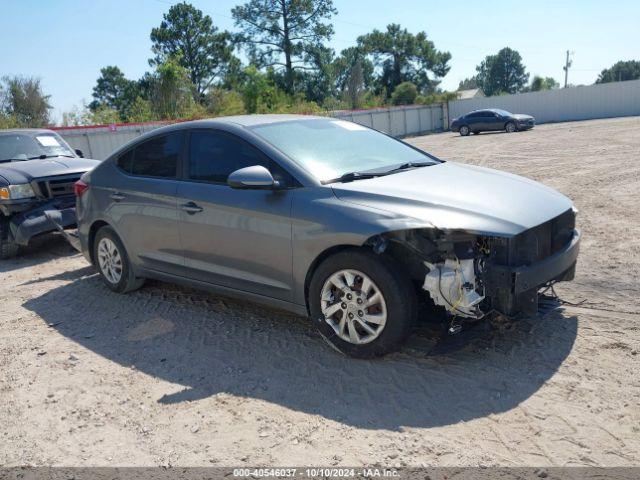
(191, 208)
(117, 196)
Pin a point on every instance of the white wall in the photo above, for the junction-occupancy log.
(99, 142)
(616, 99)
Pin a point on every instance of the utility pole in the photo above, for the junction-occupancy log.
(567, 64)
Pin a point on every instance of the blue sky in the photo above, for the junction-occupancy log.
(66, 42)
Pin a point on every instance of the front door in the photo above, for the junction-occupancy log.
(231, 237)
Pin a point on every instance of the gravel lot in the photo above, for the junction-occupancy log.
(172, 376)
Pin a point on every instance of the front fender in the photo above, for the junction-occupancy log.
(321, 221)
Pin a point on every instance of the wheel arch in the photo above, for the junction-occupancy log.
(93, 230)
(391, 244)
(318, 260)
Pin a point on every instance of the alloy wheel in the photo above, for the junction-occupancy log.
(110, 260)
(353, 306)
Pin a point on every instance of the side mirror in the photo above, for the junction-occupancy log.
(79, 153)
(256, 177)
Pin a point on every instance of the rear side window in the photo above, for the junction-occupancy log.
(157, 157)
(213, 156)
(125, 161)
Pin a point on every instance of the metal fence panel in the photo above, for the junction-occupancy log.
(99, 142)
(617, 99)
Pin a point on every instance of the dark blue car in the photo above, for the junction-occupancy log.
(492, 119)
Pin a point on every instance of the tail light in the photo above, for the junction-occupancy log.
(79, 188)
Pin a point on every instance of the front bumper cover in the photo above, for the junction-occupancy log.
(516, 287)
(34, 222)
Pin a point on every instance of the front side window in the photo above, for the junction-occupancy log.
(157, 157)
(213, 156)
(329, 148)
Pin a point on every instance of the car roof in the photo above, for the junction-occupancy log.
(489, 110)
(27, 131)
(253, 120)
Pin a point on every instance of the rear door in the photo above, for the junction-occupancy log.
(231, 237)
(142, 202)
(483, 120)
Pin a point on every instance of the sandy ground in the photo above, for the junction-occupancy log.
(172, 376)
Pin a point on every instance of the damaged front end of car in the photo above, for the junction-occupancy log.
(471, 275)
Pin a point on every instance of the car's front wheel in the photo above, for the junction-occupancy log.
(510, 127)
(113, 263)
(362, 304)
(464, 130)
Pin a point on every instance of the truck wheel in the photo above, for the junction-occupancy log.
(362, 304)
(113, 263)
(8, 248)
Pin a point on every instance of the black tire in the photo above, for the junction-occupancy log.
(8, 248)
(464, 131)
(127, 281)
(396, 288)
(510, 127)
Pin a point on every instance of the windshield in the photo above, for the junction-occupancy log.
(20, 146)
(504, 113)
(329, 149)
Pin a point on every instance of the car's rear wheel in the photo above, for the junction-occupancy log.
(510, 127)
(464, 130)
(8, 248)
(113, 263)
(362, 304)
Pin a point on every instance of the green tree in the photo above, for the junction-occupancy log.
(319, 82)
(76, 116)
(502, 73)
(23, 103)
(141, 111)
(257, 89)
(219, 101)
(171, 92)
(353, 75)
(185, 33)
(114, 91)
(542, 83)
(104, 115)
(355, 86)
(404, 94)
(620, 71)
(468, 84)
(405, 57)
(281, 33)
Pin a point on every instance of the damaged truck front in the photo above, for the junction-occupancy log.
(38, 171)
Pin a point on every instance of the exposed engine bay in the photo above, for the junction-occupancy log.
(454, 286)
(471, 275)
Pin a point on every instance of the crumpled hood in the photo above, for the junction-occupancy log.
(456, 196)
(29, 170)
